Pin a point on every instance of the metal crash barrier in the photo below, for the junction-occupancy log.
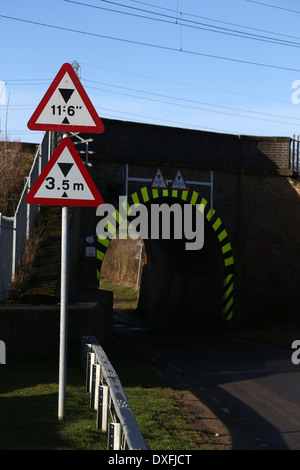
(107, 397)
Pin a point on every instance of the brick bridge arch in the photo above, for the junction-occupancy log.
(146, 195)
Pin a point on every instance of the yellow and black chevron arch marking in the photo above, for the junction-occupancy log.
(147, 194)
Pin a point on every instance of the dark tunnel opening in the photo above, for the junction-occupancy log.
(181, 286)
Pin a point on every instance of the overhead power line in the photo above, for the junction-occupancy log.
(155, 119)
(186, 84)
(156, 46)
(217, 111)
(190, 24)
(27, 82)
(189, 101)
(213, 19)
(43, 81)
(273, 6)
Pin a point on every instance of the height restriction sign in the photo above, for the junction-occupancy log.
(66, 107)
(65, 181)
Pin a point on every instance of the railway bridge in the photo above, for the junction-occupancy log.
(248, 269)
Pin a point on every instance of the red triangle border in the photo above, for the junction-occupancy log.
(34, 126)
(31, 199)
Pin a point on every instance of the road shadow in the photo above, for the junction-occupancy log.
(243, 384)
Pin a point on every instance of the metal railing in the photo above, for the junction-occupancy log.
(108, 397)
(294, 155)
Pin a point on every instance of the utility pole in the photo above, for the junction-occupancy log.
(6, 124)
(77, 68)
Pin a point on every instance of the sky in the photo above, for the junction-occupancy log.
(225, 66)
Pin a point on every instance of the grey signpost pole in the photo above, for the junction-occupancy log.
(63, 310)
(59, 106)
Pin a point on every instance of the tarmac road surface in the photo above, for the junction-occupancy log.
(253, 389)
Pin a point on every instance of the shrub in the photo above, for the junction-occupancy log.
(15, 164)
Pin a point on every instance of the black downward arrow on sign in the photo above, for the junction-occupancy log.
(65, 167)
(66, 93)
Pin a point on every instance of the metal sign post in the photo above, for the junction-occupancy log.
(64, 289)
(65, 180)
(63, 312)
(139, 257)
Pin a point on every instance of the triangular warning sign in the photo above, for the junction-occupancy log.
(159, 181)
(66, 107)
(65, 181)
(178, 182)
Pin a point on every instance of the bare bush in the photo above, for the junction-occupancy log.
(119, 264)
(26, 262)
(15, 164)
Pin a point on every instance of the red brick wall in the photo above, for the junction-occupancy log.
(254, 194)
(134, 143)
(262, 217)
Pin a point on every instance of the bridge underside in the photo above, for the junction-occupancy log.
(256, 194)
(182, 286)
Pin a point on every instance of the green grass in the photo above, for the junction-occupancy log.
(125, 298)
(161, 416)
(29, 403)
(28, 410)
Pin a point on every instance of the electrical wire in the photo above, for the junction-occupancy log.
(192, 24)
(184, 100)
(215, 20)
(274, 6)
(154, 118)
(156, 46)
(33, 81)
(43, 81)
(192, 85)
(197, 107)
(24, 107)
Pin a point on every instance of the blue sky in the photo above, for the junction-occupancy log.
(223, 66)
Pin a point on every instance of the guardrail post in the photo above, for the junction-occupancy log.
(85, 349)
(95, 386)
(92, 389)
(90, 362)
(114, 436)
(102, 408)
(87, 371)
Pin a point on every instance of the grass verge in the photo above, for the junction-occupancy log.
(125, 298)
(28, 410)
(164, 422)
(29, 401)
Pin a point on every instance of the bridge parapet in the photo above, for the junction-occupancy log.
(254, 192)
(144, 144)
